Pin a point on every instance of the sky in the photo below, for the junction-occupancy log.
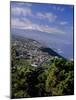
(53, 19)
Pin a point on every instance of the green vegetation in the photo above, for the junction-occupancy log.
(54, 78)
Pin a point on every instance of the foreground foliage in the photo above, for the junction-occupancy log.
(54, 78)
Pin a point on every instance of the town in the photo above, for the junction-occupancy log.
(29, 49)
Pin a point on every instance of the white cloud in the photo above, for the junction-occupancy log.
(63, 23)
(24, 4)
(58, 8)
(49, 16)
(27, 24)
(20, 3)
(21, 24)
(21, 11)
(24, 23)
(26, 11)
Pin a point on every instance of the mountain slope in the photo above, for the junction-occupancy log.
(34, 45)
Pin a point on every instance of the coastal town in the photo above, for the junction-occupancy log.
(29, 49)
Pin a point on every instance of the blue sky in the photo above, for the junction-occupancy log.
(50, 18)
(53, 18)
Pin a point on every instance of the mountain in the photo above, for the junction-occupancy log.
(43, 37)
(49, 40)
(33, 45)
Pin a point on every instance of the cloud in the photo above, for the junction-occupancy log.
(63, 23)
(27, 24)
(21, 11)
(49, 16)
(58, 8)
(23, 4)
(21, 22)
(27, 11)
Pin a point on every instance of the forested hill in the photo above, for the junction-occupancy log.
(39, 72)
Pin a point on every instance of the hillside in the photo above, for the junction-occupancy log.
(49, 40)
(32, 50)
(37, 71)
